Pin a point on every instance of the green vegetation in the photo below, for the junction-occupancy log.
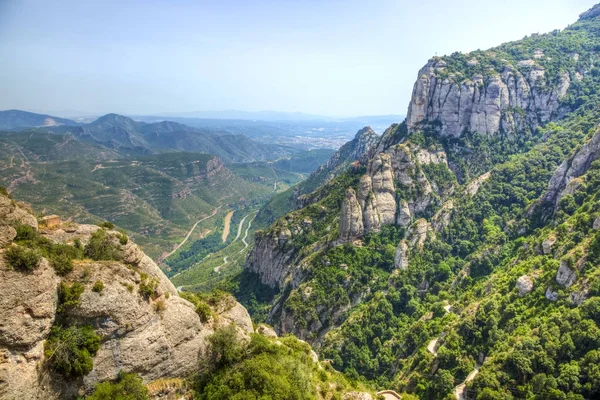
(22, 259)
(69, 295)
(98, 287)
(69, 351)
(125, 387)
(107, 225)
(147, 287)
(262, 369)
(375, 323)
(102, 247)
(32, 246)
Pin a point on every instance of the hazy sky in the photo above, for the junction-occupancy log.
(341, 58)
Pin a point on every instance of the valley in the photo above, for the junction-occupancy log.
(453, 253)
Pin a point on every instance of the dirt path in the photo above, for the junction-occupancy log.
(246, 235)
(240, 226)
(459, 391)
(431, 347)
(389, 395)
(227, 225)
(190, 232)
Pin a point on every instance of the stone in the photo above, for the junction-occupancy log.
(266, 331)
(351, 220)
(565, 276)
(551, 294)
(486, 103)
(401, 258)
(547, 244)
(564, 180)
(524, 285)
(596, 225)
(7, 234)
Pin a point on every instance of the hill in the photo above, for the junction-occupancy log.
(458, 257)
(17, 119)
(85, 313)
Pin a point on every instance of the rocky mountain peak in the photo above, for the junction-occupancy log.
(592, 13)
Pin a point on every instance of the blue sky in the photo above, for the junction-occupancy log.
(338, 58)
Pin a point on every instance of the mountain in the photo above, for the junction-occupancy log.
(133, 137)
(86, 313)
(157, 198)
(17, 119)
(458, 257)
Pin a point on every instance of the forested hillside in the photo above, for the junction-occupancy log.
(459, 256)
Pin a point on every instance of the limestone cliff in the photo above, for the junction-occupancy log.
(160, 336)
(507, 98)
(566, 178)
(394, 189)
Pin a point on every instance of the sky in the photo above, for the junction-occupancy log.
(327, 57)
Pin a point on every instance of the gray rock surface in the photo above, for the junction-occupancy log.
(401, 258)
(565, 276)
(524, 285)
(505, 99)
(564, 180)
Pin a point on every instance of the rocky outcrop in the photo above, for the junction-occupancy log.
(565, 276)
(524, 285)
(510, 99)
(565, 179)
(351, 220)
(341, 160)
(592, 13)
(157, 337)
(547, 244)
(401, 258)
(396, 172)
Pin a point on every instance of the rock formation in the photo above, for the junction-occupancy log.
(511, 99)
(564, 181)
(157, 337)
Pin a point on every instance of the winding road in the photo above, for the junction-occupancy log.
(239, 233)
(190, 232)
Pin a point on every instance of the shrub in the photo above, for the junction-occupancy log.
(22, 259)
(61, 263)
(125, 387)
(148, 287)
(69, 295)
(203, 311)
(160, 306)
(107, 224)
(225, 349)
(98, 286)
(123, 239)
(69, 351)
(4, 192)
(101, 247)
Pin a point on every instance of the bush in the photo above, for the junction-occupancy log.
(126, 387)
(106, 224)
(4, 192)
(203, 311)
(225, 349)
(98, 286)
(160, 306)
(69, 295)
(101, 247)
(22, 259)
(62, 264)
(70, 351)
(148, 287)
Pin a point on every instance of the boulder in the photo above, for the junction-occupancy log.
(524, 285)
(565, 276)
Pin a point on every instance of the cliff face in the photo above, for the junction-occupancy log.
(507, 99)
(393, 190)
(157, 337)
(566, 179)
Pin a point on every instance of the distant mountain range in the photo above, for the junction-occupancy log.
(129, 137)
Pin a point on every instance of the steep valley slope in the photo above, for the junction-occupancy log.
(458, 255)
(84, 313)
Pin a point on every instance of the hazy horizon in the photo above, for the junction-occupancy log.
(330, 58)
